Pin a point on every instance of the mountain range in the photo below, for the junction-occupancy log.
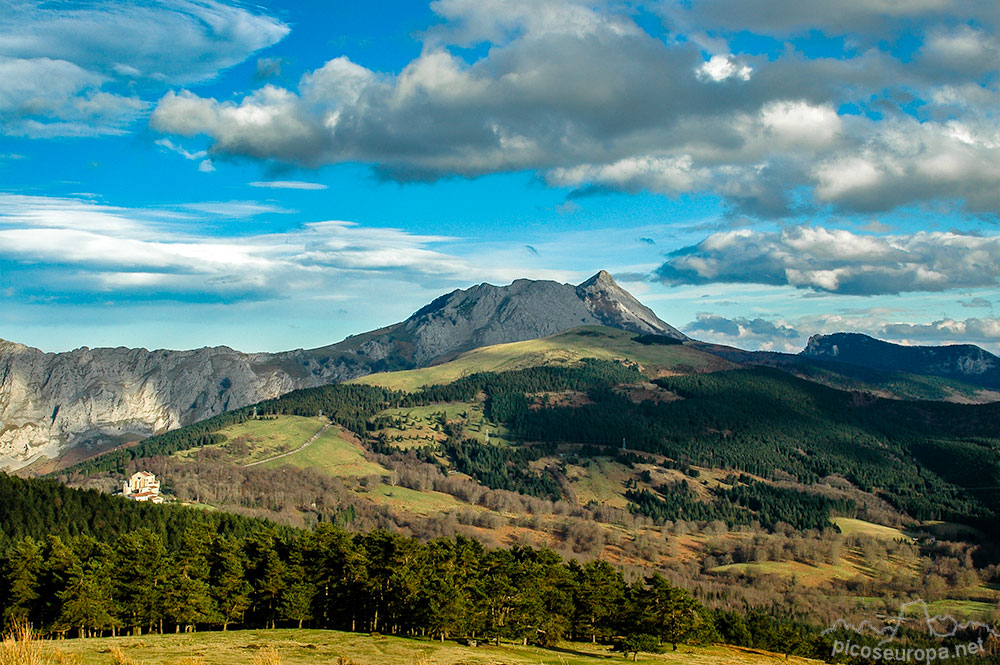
(87, 400)
(75, 404)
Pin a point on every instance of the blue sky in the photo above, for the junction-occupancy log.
(179, 173)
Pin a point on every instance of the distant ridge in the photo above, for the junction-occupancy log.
(963, 362)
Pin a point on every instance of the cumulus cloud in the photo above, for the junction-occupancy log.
(757, 333)
(838, 261)
(63, 69)
(582, 93)
(722, 67)
(969, 331)
(866, 21)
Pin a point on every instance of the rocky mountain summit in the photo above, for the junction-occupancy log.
(51, 403)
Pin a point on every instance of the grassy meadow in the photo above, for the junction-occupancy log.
(314, 647)
(277, 441)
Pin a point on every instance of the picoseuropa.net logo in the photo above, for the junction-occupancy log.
(951, 637)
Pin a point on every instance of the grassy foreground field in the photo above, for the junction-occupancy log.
(311, 647)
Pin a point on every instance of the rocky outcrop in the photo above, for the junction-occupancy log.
(53, 401)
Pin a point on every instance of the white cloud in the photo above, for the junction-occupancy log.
(83, 247)
(838, 261)
(47, 97)
(176, 41)
(56, 62)
(288, 184)
(173, 147)
(235, 208)
(798, 123)
(581, 93)
(722, 67)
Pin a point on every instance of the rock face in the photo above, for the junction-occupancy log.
(52, 402)
(963, 362)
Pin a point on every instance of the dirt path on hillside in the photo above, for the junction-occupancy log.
(292, 452)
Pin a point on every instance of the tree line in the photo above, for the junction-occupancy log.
(377, 582)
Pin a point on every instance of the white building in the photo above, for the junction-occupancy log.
(142, 486)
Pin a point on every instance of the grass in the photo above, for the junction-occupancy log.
(423, 424)
(21, 647)
(963, 609)
(264, 438)
(564, 348)
(850, 526)
(851, 564)
(307, 647)
(334, 452)
(600, 480)
(803, 573)
(415, 501)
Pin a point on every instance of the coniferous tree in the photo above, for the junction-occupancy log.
(187, 600)
(140, 573)
(598, 599)
(229, 589)
(60, 563)
(22, 568)
(86, 602)
(297, 595)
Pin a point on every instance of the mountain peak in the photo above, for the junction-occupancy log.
(602, 278)
(526, 309)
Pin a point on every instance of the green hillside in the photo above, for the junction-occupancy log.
(598, 342)
(275, 441)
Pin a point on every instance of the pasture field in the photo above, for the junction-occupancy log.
(321, 647)
(273, 442)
